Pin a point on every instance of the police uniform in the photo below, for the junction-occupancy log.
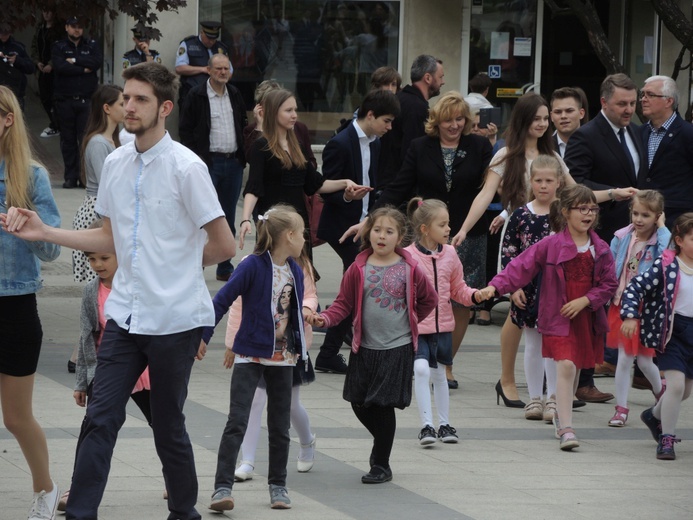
(136, 56)
(73, 88)
(192, 51)
(14, 75)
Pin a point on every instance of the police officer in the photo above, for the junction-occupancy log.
(141, 52)
(15, 63)
(193, 56)
(75, 62)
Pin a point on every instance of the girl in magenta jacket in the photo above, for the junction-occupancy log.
(388, 295)
(578, 279)
(430, 222)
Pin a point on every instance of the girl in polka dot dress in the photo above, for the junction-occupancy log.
(660, 301)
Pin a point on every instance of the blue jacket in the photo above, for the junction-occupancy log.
(252, 281)
(654, 248)
(656, 288)
(20, 261)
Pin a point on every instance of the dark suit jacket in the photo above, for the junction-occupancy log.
(423, 174)
(671, 171)
(341, 159)
(596, 159)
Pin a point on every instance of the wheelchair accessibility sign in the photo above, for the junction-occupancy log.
(494, 71)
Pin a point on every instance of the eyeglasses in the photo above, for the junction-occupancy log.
(586, 210)
(651, 95)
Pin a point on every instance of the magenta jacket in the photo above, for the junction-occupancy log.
(548, 257)
(421, 297)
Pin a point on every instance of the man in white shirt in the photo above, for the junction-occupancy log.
(162, 219)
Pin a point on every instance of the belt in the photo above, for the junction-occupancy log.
(75, 98)
(224, 155)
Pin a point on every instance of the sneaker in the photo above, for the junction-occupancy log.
(549, 409)
(569, 440)
(665, 447)
(654, 424)
(334, 365)
(244, 472)
(50, 132)
(447, 434)
(44, 505)
(534, 409)
(222, 500)
(279, 497)
(306, 457)
(620, 417)
(427, 435)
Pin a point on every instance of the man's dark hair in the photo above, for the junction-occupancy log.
(578, 95)
(163, 81)
(381, 103)
(479, 83)
(424, 64)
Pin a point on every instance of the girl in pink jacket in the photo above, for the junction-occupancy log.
(430, 222)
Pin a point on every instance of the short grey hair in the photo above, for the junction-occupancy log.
(669, 88)
(424, 64)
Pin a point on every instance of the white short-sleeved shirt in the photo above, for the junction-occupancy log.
(157, 202)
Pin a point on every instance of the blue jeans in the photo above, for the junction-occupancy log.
(227, 177)
(435, 348)
(122, 357)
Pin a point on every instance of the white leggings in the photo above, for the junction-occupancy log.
(423, 374)
(299, 421)
(536, 366)
(622, 379)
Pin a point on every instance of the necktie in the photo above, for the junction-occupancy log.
(626, 150)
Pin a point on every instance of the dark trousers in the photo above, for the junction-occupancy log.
(73, 115)
(227, 177)
(243, 384)
(121, 358)
(45, 86)
(334, 337)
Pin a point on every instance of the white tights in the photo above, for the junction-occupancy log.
(423, 374)
(536, 366)
(669, 406)
(622, 380)
(299, 421)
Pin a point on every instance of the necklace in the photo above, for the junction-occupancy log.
(687, 269)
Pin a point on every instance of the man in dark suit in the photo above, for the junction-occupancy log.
(607, 153)
(568, 113)
(352, 154)
(668, 141)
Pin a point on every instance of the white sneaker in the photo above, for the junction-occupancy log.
(49, 132)
(44, 504)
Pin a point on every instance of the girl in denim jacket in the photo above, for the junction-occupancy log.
(578, 279)
(23, 184)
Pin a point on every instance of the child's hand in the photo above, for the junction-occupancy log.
(307, 314)
(80, 398)
(487, 293)
(229, 358)
(316, 320)
(519, 299)
(573, 307)
(628, 327)
(660, 220)
(478, 296)
(201, 351)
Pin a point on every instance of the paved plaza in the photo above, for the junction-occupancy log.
(504, 466)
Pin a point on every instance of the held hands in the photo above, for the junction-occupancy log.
(315, 319)
(496, 225)
(201, 351)
(245, 229)
(356, 192)
(229, 358)
(485, 294)
(80, 398)
(519, 299)
(628, 327)
(573, 307)
(23, 223)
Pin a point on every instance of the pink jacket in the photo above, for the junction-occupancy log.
(421, 297)
(310, 300)
(444, 270)
(548, 257)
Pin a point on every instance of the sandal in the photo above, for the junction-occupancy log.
(569, 440)
(550, 409)
(620, 417)
(534, 410)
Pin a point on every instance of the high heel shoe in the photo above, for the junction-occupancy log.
(510, 403)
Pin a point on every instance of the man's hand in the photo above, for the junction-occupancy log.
(80, 398)
(356, 192)
(23, 223)
(201, 351)
(353, 230)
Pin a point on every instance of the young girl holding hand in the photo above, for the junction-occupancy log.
(268, 344)
(527, 226)
(388, 295)
(635, 248)
(578, 279)
(431, 224)
(665, 291)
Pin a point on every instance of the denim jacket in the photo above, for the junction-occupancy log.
(20, 266)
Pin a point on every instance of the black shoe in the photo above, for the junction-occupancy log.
(654, 424)
(71, 366)
(665, 447)
(447, 434)
(510, 403)
(70, 184)
(223, 277)
(578, 404)
(453, 384)
(427, 436)
(377, 475)
(334, 365)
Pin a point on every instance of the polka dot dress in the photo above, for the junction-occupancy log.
(83, 219)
